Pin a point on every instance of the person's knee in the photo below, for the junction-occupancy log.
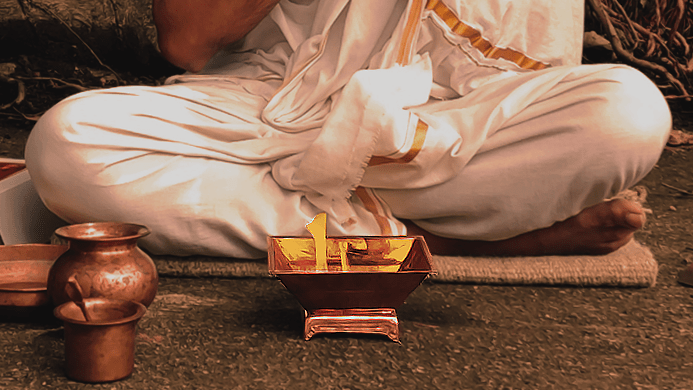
(49, 137)
(635, 104)
(630, 122)
(77, 121)
(54, 151)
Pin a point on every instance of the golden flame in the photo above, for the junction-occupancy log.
(318, 228)
(341, 254)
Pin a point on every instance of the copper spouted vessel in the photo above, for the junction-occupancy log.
(103, 257)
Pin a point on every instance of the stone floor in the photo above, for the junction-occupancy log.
(247, 333)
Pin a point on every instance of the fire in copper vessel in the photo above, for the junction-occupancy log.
(363, 283)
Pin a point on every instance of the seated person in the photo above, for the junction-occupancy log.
(469, 122)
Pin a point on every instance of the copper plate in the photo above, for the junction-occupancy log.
(24, 273)
(366, 279)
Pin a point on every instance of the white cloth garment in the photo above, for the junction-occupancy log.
(474, 120)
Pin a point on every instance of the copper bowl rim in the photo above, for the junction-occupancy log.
(72, 232)
(35, 253)
(139, 312)
(30, 248)
(28, 290)
(431, 270)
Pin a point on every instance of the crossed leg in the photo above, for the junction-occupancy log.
(538, 185)
(535, 187)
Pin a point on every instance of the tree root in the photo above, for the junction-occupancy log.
(644, 47)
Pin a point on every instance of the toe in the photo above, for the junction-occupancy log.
(627, 214)
(635, 220)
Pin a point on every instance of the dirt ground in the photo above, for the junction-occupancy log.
(457, 336)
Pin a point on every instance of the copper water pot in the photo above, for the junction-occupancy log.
(106, 262)
(102, 349)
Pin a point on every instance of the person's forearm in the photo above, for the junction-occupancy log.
(191, 31)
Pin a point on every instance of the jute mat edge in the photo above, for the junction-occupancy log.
(633, 265)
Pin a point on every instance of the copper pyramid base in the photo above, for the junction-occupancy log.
(377, 321)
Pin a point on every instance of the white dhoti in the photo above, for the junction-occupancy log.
(474, 121)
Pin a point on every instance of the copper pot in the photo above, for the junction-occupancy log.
(103, 349)
(104, 259)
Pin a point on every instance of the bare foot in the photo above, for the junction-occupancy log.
(599, 229)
